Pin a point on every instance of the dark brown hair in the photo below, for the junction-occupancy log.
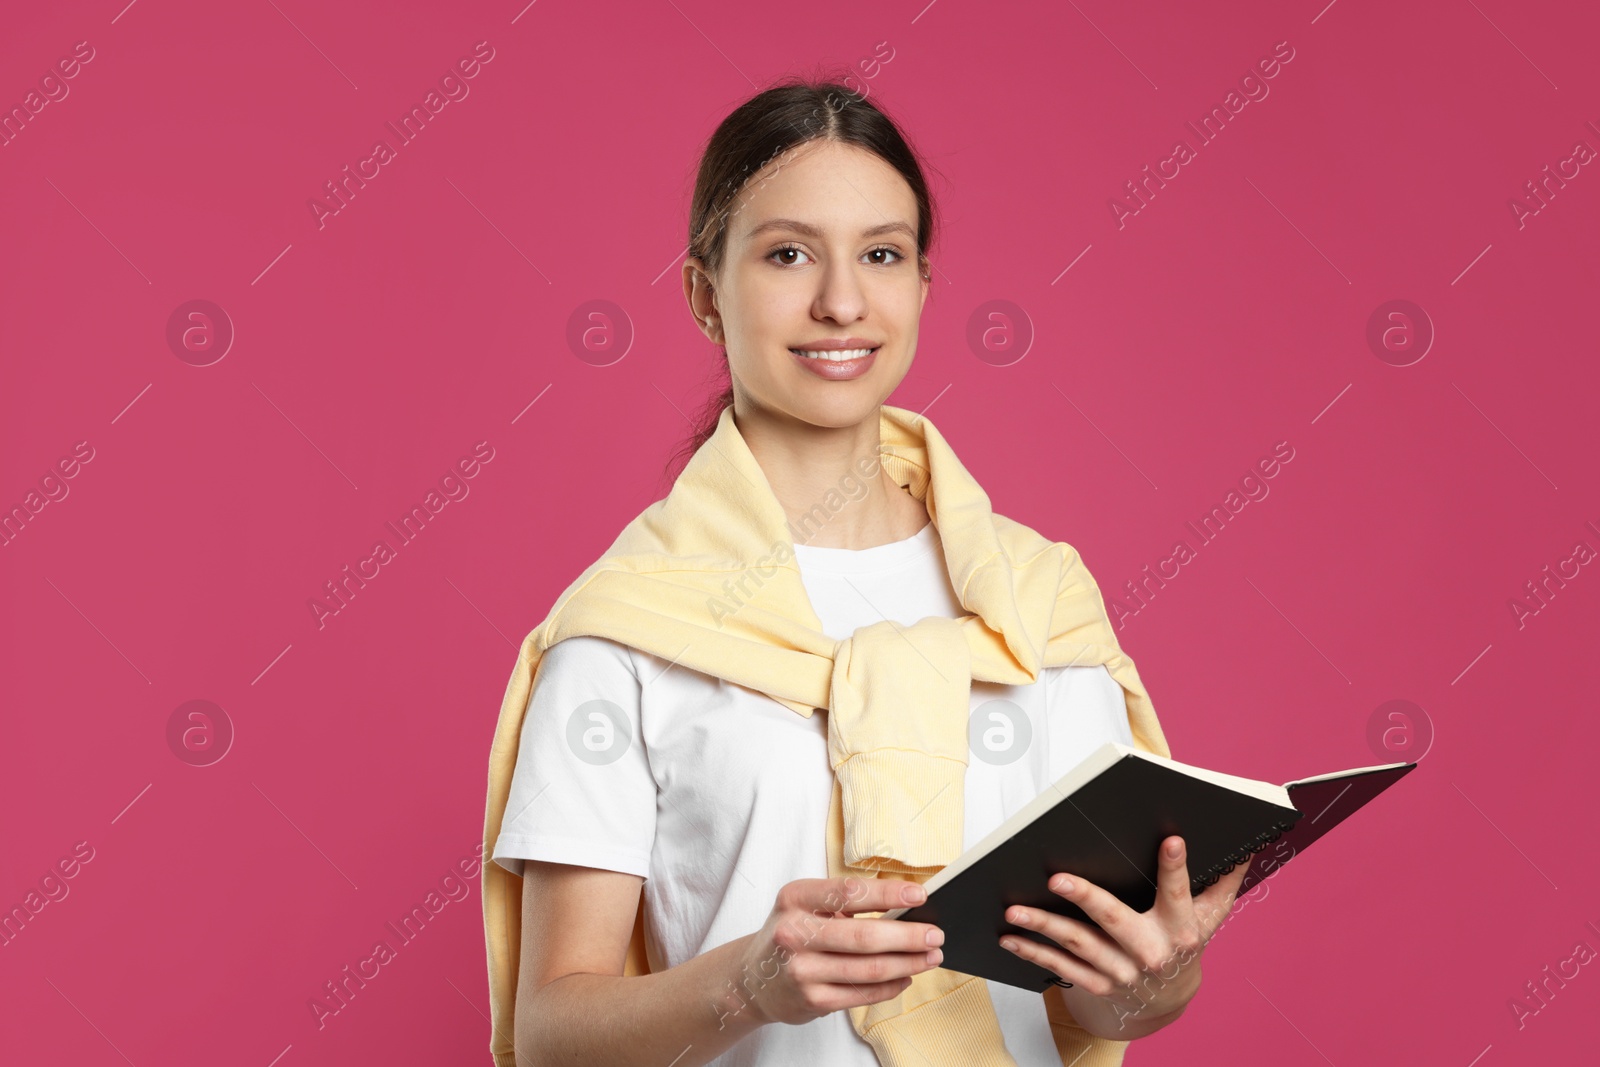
(795, 111)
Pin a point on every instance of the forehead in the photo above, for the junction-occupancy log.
(824, 188)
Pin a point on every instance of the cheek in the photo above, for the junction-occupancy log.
(903, 304)
(769, 321)
(757, 356)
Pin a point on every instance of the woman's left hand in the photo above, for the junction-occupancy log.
(1144, 965)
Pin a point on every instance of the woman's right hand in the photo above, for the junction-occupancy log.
(814, 957)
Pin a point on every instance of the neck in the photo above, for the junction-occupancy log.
(828, 481)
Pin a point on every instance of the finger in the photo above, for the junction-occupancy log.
(880, 894)
(1128, 928)
(855, 934)
(1064, 965)
(850, 895)
(1174, 900)
(861, 970)
(1212, 907)
(1079, 939)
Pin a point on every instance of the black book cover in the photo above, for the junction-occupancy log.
(1107, 831)
(1325, 802)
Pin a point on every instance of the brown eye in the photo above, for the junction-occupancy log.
(782, 251)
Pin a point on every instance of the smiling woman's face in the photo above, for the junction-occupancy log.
(821, 248)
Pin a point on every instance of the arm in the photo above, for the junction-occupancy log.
(813, 956)
(574, 1005)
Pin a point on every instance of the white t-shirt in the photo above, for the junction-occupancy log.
(717, 795)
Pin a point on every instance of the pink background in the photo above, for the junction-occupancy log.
(371, 354)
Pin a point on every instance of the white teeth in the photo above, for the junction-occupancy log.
(836, 357)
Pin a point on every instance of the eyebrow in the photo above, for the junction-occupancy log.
(816, 231)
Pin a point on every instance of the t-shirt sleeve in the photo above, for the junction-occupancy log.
(582, 791)
(1087, 708)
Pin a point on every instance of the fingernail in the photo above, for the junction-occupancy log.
(1063, 885)
(936, 936)
(914, 894)
(1173, 850)
(934, 956)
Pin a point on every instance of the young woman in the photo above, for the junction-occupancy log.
(635, 776)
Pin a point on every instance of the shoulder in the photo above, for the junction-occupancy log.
(588, 655)
(1023, 543)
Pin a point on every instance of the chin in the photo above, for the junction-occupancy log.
(838, 412)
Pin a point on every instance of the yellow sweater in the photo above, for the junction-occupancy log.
(707, 577)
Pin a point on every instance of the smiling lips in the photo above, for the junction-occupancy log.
(841, 360)
(834, 354)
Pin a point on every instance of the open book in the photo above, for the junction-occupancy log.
(1103, 821)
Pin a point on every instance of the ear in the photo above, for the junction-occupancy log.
(702, 300)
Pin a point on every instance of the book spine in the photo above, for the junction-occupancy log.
(1242, 855)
